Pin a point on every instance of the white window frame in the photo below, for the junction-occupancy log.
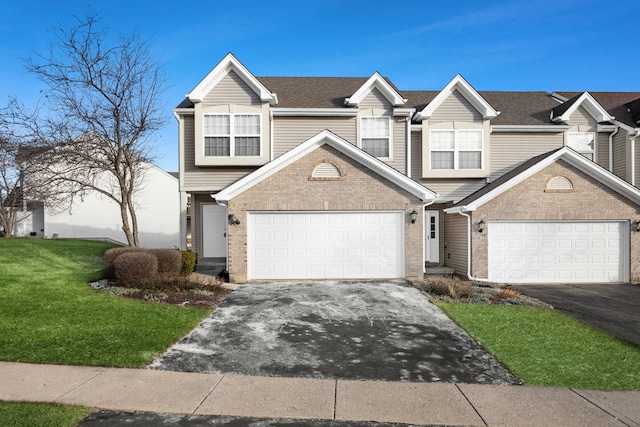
(232, 134)
(457, 150)
(595, 141)
(387, 137)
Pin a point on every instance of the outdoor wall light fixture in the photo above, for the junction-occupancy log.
(637, 226)
(414, 216)
(233, 220)
(481, 226)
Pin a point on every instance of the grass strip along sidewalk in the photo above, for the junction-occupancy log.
(48, 313)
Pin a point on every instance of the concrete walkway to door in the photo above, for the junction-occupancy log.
(612, 307)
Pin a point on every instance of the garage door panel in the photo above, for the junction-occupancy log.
(558, 251)
(318, 245)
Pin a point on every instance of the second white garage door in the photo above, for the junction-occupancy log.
(563, 251)
(323, 245)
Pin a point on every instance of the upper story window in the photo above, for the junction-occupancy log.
(231, 135)
(582, 142)
(376, 136)
(456, 149)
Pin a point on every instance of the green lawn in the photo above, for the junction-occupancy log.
(547, 348)
(40, 414)
(48, 313)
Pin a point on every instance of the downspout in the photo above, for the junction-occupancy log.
(408, 146)
(424, 229)
(611, 135)
(633, 158)
(271, 134)
(473, 279)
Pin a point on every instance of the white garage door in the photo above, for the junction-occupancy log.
(563, 251)
(320, 245)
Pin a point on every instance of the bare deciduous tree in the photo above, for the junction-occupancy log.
(102, 107)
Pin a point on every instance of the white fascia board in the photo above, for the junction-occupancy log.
(184, 111)
(230, 63)
(529, 128)
(459, 83)
(378, 82)
(591, 105)
(403, 112)
(315, 112)
(329, 138)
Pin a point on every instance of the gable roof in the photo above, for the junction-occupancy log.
(617, 104)
(346, 148)
(375, 82)
(460, 84)
(536, 164)
(563, 112)
(230, 63)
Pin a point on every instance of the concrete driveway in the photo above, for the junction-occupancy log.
(612, 307)
(334, 330)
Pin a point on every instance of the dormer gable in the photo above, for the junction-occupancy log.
(228, 64)
(467, 91)
(563, 112)
(376, 81)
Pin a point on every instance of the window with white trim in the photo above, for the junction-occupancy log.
(376, 136)
(582, 142)
(455, 149)
(231, 135)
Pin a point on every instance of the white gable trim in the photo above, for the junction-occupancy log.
(331, 139)
(230, 63)
(378, 82)
(460, 84)
(591, 105)
(573, 158)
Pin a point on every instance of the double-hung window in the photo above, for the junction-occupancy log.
(231, 135)
(582, 142)
(376, 136)
(456, 149)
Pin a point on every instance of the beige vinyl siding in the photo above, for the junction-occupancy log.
(456, 108)
(620, 155)
(582, 118)
(451, 189)
(231, 90)
(416, 155)
(509, 150)
(290, 132)
(399, 145)
(376, 100)
(455, 233)
(196, 221)
(602, 150)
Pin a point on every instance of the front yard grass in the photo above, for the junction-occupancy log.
(544, 347)
(40, 414)
(49, 314)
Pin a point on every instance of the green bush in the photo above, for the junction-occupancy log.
(188, 262)
(110, 257)
(136, 268)
(169, 261)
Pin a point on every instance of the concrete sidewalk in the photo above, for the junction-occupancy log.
(303, 398)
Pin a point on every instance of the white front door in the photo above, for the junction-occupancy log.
(431, 236)
(214, 231)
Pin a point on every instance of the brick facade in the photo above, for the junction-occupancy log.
(589, 200)
(291, 189)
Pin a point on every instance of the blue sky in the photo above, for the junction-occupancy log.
(571, 45)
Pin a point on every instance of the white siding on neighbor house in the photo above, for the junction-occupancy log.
(509, 150)
(96, 217)
(456, 108)
(231, 90)
(289, 132)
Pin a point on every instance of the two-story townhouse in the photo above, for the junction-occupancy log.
(323, 177)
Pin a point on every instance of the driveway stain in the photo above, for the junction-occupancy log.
(377, 330)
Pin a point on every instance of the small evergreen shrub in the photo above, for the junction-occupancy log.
(110, 256)
(188, 262)
(136, 268)
(169, 261)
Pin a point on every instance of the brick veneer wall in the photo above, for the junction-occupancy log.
(590, 200)
(290, 189)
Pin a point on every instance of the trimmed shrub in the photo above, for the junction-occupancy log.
(188, 262)
(136, 268)
(439, 287)
(463, 290)
(110, 257)
(169, 261)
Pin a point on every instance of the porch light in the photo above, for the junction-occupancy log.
(233, 220)
(414, 216)
(637, 224)
(481, 226)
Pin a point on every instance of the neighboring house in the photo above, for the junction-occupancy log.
(322, 177)
(94, 216)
